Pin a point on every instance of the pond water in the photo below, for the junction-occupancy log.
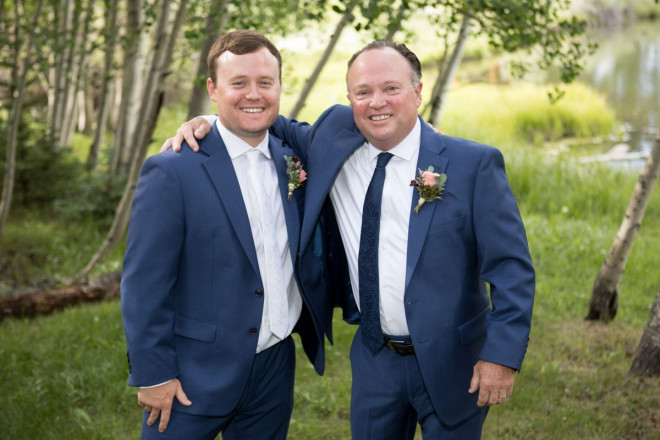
(626, 68)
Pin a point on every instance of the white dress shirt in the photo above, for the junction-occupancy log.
(237, 149)
(347, 195)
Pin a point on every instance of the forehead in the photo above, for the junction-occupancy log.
(259, 62)
(376, 66)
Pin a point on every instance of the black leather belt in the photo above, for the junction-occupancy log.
(403, 348)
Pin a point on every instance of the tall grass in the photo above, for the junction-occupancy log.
(523, 113)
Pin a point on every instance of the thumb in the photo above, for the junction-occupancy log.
(475, 382)
(181, 396)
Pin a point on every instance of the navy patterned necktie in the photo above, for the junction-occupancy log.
(372, 334)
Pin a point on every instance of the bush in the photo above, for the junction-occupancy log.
(43, 173)
(53, 180)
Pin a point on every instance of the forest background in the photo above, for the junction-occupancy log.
(89, 88)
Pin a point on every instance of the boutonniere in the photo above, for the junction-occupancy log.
(430, 186)
(295, 174)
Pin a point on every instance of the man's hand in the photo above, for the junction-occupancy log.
(189, 131)
(157, 401)
(494, 382)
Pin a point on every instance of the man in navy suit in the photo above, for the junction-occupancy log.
(454, 276)
(209, 291)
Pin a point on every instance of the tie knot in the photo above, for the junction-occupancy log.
(383, 159)
(253, 156)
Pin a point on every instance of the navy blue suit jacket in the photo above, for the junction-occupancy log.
(456, 248)
(190, 279)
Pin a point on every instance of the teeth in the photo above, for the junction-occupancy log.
(380, 117)
(253, 110)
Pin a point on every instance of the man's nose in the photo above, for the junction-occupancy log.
(253, 92)
(377, 100)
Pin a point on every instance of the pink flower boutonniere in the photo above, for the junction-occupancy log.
(294, 173)
(430, 186)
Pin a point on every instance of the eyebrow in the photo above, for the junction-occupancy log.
(386, 83)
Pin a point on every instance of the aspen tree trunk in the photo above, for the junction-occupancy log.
(604, 296)
(346, 18)
(165, 37)
(447, 75)
(88, 106)
(396, 24)
(64, 20)
(216, 21)
(106, 85)
(79, 56)
(135, 60)
(647, 358)
(14, 121)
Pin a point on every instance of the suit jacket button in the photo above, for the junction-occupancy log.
(253, 330)
(259, 292)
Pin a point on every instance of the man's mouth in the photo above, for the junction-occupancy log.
(379, 117)
(253, 110)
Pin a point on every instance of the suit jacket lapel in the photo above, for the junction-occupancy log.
(221, 172)
(429, 154)
(325, 164)
(291, 215)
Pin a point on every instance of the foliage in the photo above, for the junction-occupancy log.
(43, 173)
(96, 199)
(540, 29)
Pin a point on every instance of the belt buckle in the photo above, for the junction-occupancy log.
(406, 348)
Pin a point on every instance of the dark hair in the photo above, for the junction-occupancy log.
(240, 43)
(415, 65)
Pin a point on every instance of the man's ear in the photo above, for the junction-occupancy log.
(210, 87)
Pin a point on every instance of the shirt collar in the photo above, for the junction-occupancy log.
(236, 146)
(405, 149)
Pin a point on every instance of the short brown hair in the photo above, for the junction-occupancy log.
(240, 43)
(408, 54)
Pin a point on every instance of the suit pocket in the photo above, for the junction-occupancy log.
(475, 328)
(204, 331)
(452, 225)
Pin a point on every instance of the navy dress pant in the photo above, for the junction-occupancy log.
(263, 412)
(389, 398)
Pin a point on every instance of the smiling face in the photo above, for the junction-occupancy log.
(384, 96)
(247, 92)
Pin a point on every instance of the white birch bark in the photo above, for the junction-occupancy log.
(309, 83)
(447, 75)
(163, 48)
(604, 296)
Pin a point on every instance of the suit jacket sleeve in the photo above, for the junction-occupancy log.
(505, 263)
(154, 243)
(295, 134)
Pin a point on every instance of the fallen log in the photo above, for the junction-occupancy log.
(47, 301)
